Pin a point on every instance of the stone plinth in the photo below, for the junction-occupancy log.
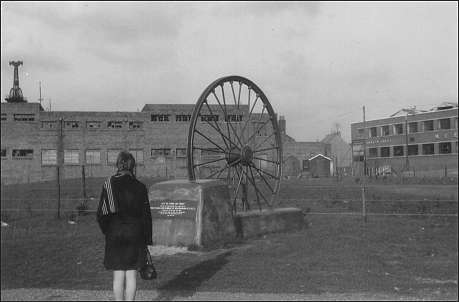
(254, 223)
(187, 213)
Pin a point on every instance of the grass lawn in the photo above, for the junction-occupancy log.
(415, 256)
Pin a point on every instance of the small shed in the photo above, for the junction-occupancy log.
(320, 165)
(291, 166)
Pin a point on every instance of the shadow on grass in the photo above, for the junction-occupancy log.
(187, 282)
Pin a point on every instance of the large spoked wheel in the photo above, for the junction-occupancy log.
(234, 136)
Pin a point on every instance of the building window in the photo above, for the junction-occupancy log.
(398, 150)
(135, 125)
(385, 130)
(48, 157)
(385, 151)
(166, 152)
(428, 125)
(413, 150)
(3, 116)
(180, 152)
(444, 123)
(233, 118)
(24, 117)
(428, 149)
(360, 132)
(373, 152)
(22, 153)
(138, 155)
(71, 157)
(413, 127)
(112, 155)
(160, 117)
(3, 153)
(93, 124)
(444, 148)
(93, 157)
(398, 129)
(357, 151)
(115, 124)
(373, 132)
(72, 124)
(209, 117)
(183, 117)
(49, 124)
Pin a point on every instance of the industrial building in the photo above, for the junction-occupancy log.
(413, 142)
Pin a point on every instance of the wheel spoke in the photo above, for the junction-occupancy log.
(199, 132)
(262, 126)
(234, 95)
(250, 114)
(224, 112)
(255, 186)
(266, 149)
(261, 144)
(239, 96)
(267, 183)
(216, 124)
(260, 170)
(256, 191)
(210, 150)
(219, 172)
(228, 124)
(209, 162)
(237, 190)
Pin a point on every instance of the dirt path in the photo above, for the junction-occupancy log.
(47, 294)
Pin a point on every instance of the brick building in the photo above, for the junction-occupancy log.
(34, 142)
(410, 141)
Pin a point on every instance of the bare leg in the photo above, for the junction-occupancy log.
(131, 284)
(118, 284)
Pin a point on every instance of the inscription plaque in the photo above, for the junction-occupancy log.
(174, 209)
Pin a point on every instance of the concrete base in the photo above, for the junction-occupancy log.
(255, 223)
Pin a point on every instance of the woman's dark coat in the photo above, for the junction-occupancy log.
(127, 228)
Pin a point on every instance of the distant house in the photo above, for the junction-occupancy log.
(320, 166)
(295, 153)
(340, 152)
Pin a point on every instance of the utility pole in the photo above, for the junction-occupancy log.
(364, 213)
(40, 99)
(60, 159)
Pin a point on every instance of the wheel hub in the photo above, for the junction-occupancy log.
(246, 155)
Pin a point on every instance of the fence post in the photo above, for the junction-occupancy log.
(83, 183)
(58, 192)
(364, 210)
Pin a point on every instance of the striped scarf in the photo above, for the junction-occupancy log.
(109, 204)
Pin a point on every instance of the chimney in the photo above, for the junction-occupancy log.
(282, 125)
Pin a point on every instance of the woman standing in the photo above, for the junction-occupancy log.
(124, 217)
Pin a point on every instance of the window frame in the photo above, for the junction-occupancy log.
(71, 152)
(93, 163)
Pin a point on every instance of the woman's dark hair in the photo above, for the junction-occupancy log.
(125, 162)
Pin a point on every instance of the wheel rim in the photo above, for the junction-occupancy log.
(234, 136)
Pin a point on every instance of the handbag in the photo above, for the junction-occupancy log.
(148, 271)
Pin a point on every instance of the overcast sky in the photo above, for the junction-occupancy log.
(318, 63)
